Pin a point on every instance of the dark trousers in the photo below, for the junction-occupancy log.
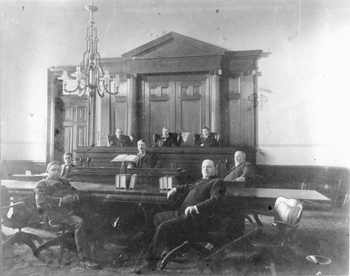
(171, 230)
(88, 227)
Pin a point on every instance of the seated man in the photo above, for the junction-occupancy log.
(166, 140)
(198, 210)
(61, 201)
(207, 139)
(242, 170)
(145, 159)
(68, 165)
(119, 140)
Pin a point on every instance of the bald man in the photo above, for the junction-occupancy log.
(119, 140)
(201, 204)
(242, 170)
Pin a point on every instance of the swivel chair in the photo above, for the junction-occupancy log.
(274, 238)
(193, 249)
(23, 219)
(56, 234)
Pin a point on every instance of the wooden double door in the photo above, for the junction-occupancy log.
(71, 124)
(179, 102)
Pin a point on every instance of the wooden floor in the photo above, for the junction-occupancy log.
(322, 232)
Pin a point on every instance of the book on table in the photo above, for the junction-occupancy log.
(125, 158)
(163, 183)
(122, 181)
(171, 182)
(133, 180)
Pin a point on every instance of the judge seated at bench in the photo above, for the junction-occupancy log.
(119, 140)
(167, 139)
(207, 139)
(242, 170)
(145, 159)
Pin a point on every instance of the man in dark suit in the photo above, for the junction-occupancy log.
(119, 140)
(61, 201)
(199, 209)
(166, 140)
(207, 139)
(145, 159)
(68, 165)
(242, 170)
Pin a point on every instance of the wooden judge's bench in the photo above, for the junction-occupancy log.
(94, 163)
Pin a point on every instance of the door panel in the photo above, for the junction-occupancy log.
(239, 115)
(74, 125)
(190, 106)
(177, 104)
(158, 110)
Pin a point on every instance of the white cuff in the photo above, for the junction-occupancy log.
(195, 207)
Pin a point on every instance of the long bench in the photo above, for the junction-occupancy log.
(187, 158)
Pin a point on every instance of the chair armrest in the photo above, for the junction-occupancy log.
(13, 205)
(256, 214)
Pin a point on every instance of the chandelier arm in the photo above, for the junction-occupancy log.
(111, 93)
(83, 93)
(71, 91)
(99, 91)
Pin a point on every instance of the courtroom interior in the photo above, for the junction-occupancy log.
(199, 137)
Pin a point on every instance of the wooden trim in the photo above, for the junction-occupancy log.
(233, 96)
(190, 97)
(155, 98)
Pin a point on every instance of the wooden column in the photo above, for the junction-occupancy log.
(215, 116)
(132, 114)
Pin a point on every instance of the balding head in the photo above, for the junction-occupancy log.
(240, 157)
(208, 168)
(119, 133)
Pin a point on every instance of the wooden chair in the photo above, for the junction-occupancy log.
(24, 217)
(176, 137)
(214, 134)
(281, 233)
(191, 250)
(55, 234)
(111, 137)
(186, 139)
(24, 234)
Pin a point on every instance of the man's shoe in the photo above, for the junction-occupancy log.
(147, 267)
(165, 252)
(116, 223)
(89, 265)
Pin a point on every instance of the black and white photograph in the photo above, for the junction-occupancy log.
(198, 137)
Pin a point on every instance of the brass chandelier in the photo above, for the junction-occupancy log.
(91, 78)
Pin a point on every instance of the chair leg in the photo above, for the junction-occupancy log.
(21, 237)
(55, 241)
(171, 254)
(273, 267)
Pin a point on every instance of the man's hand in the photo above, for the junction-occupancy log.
(171, 193)
(69, 199)
(241, 178)
(191, 210)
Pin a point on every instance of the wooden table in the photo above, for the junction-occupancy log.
(149, 194)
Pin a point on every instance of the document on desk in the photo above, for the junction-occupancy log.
(125, 158)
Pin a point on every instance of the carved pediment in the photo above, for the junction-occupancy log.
(173, 45)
